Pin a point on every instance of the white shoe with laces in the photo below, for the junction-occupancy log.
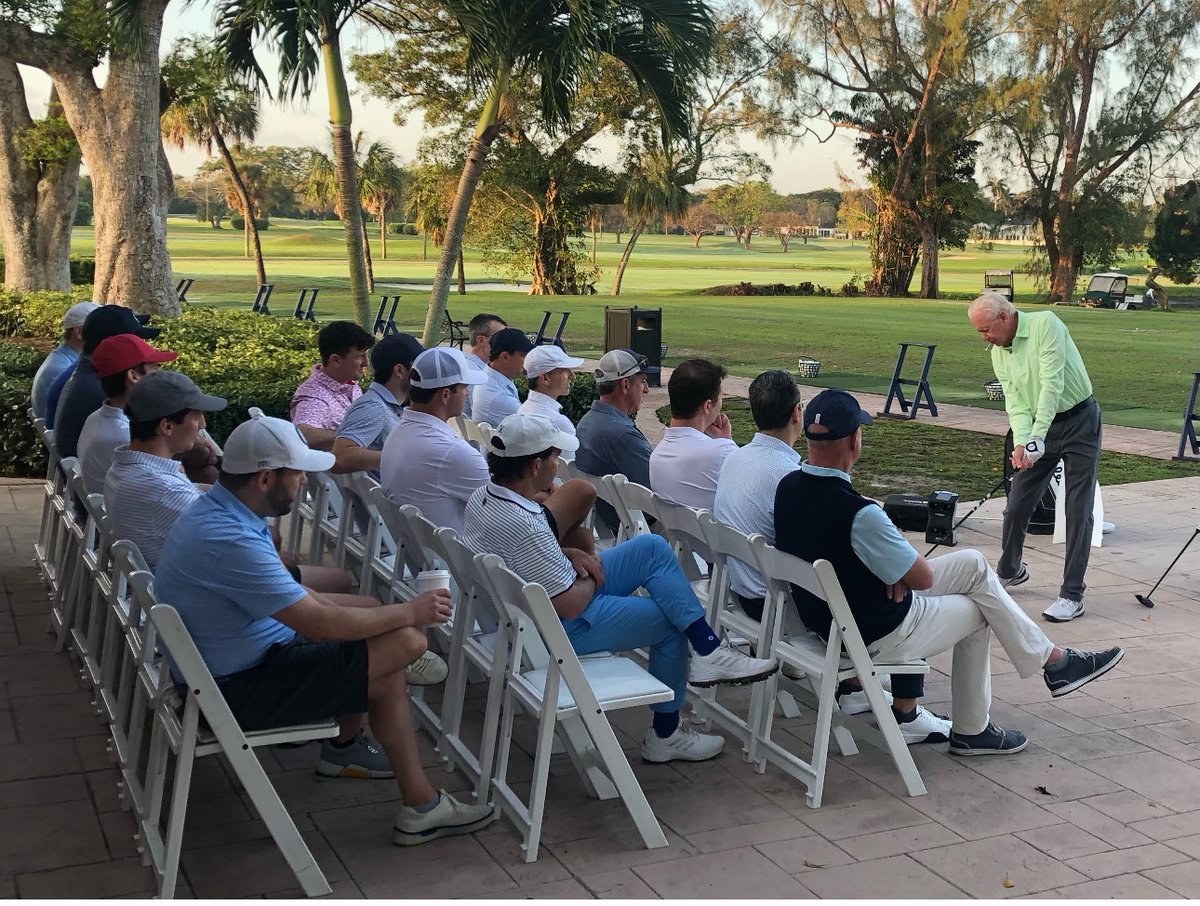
(856, 702)
(726, 666)
(925, 727)
(427, 670)
(1063, 610)
(685, 744)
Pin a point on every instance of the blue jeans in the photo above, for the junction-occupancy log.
(617, 620)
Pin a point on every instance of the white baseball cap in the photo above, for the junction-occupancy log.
(524, 435)
(443, 366)
(77, 314)
(542, 359)
(264, 442)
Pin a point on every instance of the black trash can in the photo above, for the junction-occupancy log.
(639, 329)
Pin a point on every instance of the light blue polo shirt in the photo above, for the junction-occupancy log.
(220, 570)
(495, 400)
(60, 359)
(371, 418)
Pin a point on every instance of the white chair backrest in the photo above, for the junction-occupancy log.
(474, 433)
(409, 557)
(505, 589)
(682, 525)
(422, 532)
(725, 542)
(473, 600)
(782, 571)
(633, 504)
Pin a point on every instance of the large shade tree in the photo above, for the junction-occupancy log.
(307, 38)
(209, 107)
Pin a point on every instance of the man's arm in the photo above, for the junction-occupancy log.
(1052, 366)
(317, 438)
(886, 553)
(350, 457)
(323, 621)
(308, 414)
(574, 601)
(631, 455)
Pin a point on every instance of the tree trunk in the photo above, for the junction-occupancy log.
(345, 167)
(893, 251)
(18, 187)
(383, 232)
(633, 238)
(424, 245)
(593, 243)
(251, 226)
(58, 197)
(462, 275)
(1065, 272)
(696, 240)
(366, 247)
(929, 262)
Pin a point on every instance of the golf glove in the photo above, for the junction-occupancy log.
(1035, 448)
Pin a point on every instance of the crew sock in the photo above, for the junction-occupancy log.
(665, 723)
(701, 636)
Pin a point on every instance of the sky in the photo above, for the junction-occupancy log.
(800, 168)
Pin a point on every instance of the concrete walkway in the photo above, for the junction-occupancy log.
(1118, 439)
(1104, 803)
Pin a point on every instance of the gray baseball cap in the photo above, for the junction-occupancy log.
(165, 393)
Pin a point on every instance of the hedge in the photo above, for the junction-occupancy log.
(83, 270)
(244, 357)
(238, 222)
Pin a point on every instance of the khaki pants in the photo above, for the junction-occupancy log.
(961, 610)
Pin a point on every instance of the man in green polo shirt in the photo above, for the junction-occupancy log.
(1053, 417)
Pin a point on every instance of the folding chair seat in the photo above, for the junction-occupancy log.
(546, 679)
(825, 664)
(177, 734)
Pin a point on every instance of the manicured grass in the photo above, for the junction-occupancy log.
(1140, 362)
(916, 458)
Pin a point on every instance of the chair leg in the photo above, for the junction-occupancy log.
(579, 747)
(897, 747)
(173, 841)
(541, 777)
(623, 778)
(827, 698)
(787, 704)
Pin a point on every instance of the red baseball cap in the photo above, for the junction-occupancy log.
(125, 350)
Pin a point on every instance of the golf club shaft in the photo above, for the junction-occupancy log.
(986, 497)
(1150, 594)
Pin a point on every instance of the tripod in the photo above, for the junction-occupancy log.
(1146, 599)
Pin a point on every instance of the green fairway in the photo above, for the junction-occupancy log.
(1140, 362)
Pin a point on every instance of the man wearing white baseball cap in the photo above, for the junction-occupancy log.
(595, 596)
(549, 370)
(283, 655)
(62, 356)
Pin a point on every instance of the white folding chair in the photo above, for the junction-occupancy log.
(680, 525)
(563, 688)
(88, 611)
(633, 503)
(68, 556)
(605, 537)
(327, 517)
(354, 536)
(379, 546)
(53, 501)
(180, 735)
(406, 559)
(825, 664)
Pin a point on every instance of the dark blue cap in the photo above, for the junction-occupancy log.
(837, 412)
(510, 339)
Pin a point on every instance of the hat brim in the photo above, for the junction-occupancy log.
(568, 443)
(472, 377)
(147, 333)
(206, 403)
(314, 461)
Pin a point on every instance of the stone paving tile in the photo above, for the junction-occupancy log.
(1124, 861)
(960, 798)
(253, 866)
(1122, 887)
(1055, 775)
(1169, 827)
(1158, 777)
(736, 873)
(882, 844)
(102, 879)
(749, 835)
(981, 867)
(864, 818)
(1189, 845)
(42, 791)
(1064, 841)
(37, 837)
(896, 878)
(1184, 878)
(804, 854)
(1086, 746)
(621, 884)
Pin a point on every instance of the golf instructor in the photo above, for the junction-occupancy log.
(1053, 416)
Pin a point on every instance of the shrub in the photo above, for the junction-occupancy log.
(37, 315)
(238, 222)
(20, 450)
(399, 229)
(410, 229)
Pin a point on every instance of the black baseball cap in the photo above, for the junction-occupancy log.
(510, 339)
(836, 411)
(110, 320)
(395, 349)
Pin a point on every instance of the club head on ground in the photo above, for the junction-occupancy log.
(1144, 600)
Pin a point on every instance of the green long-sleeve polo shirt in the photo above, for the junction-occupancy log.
(1042, 374)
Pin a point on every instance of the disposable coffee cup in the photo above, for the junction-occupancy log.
(429, 579)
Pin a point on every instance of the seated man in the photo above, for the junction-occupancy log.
(685, 465)
(120, 362)
(596, 597)
(497, 397)
(610, 443)
(549, 370)
(371, 418)
(283, 655)
(62, 358)
(963, 602)
(322, 399)
(145, 491)
(481, 328)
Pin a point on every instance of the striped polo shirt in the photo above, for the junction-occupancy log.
(143, 496)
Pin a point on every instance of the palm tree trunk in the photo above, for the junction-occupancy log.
(424, 245)
(344, 164)
(462, 275)
(366, 246)
(250, 231)
(486, 131)
(383, 232)
(633, 238)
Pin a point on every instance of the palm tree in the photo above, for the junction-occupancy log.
(652, 190)
(306, 36)
(380, 186)
(207, 106)
(430, 196)
(663, 43)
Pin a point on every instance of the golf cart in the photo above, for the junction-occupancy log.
(1106, 290)
(999, 282)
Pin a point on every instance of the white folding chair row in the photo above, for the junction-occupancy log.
(605, 537)
(546, 679)
(67, 557)
(45, 548)
(472, 432)
(633, 503)
(406, 558)
(93, 592)
(825, 664)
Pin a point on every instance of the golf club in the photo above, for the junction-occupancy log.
(986, 498)
(1146, 599)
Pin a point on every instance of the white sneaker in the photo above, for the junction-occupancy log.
(685, 744)
(1063, 610)
(926, 727)
(729, 667)
(427, 670)
(446, 819)
(856, 702)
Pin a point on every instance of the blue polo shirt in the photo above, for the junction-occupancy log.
(494, 401)
(81, 396)
(371, 418)
(60, 359)
(220, 570)
(610, 443)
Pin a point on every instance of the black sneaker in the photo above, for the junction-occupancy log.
(992, 741)
(1021, 576)
(1082, 667)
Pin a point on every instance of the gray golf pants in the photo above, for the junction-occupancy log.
(1075, 440)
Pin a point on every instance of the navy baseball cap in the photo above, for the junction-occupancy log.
(837, 412)
(395, 349)
(110, 320)
(510, 339)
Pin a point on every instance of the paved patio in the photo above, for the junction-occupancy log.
(1104, 803)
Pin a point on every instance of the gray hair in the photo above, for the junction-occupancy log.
(991, 304)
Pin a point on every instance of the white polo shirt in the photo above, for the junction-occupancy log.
(686, 464)
(143, 496)
(548, 407)
(425, 464)
(105, 429)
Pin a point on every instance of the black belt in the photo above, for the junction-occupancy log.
(1074, 410)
